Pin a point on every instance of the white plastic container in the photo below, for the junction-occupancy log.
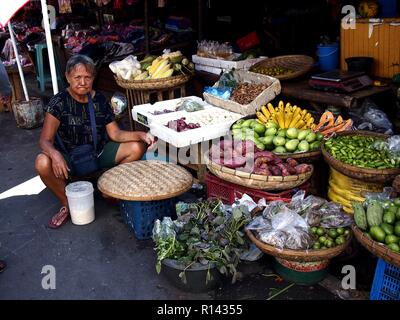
(80, 202)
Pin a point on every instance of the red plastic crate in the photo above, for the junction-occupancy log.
(228, 192)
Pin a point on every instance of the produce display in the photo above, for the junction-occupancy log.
(286, 116)
(271, 71)
(380, 221)
(270, 137)
(203, 233)
(181, 125)
(306, 223)
(239, 155)
(152, 67)
(328, 124)
(361, 151)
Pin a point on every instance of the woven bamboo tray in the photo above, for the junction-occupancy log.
(303, 157)
(300, 65)
(364, 174)
(257, 181)
(377, 248)
(148, 180)
(153, 84)
(298, 255)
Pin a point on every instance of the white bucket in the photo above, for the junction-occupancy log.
(80, 202)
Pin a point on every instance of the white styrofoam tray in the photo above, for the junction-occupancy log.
(226, 64)
(143, 113)
(189, 137)
(220, 126)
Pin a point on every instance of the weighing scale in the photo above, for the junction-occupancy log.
(340, 81)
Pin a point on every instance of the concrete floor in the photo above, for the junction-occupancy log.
(102, 260)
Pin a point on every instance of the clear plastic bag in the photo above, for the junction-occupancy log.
(332, 216)
(189, 105)
(372, 118)
(164, 229)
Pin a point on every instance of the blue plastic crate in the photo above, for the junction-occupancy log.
(140, 215)
(386, 285)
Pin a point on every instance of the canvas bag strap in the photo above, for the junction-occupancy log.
(92, 120)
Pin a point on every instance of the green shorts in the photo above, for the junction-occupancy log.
(106, 157)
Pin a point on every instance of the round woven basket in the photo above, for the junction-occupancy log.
(303, 157)
(257, 181)
(153, 84)
(364, 174)
(376, 248)
(298, 255)
(299, 64)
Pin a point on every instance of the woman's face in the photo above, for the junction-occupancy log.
(80, 80)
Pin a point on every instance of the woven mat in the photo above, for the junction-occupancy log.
(145, 181)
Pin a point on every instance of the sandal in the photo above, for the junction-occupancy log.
(60, 218)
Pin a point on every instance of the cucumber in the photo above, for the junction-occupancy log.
(374, 214)
(359, 216)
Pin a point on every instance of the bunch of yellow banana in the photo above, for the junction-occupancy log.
(345, 190)
(286, 116)
(160, 68)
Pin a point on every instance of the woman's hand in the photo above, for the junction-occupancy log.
(148, 138)
(59, 164)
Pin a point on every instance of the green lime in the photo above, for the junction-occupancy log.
(339, 240)
(322, 239)
(333, 233)
(316, 246)
(397, 202)
(320, 231)
(377, 233)
(329, 243)
(340, 230)
(387, 228)
(314, 230)
(391, 238)
(397, 230)
(394, 247)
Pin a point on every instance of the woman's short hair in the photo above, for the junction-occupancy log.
(80, 59)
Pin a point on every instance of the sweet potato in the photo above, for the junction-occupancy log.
(235, 162)
(216, 152)
(262, 171)
(292, 162)
(225, 145)
(275, 171)
(244, 147)
(285, 171)
(302, 168)
(276, 160)
(266, 154)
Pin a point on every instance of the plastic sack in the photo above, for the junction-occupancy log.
(381, 196)
(227, 80)
(127, 68)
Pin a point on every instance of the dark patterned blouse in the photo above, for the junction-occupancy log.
(75, 128)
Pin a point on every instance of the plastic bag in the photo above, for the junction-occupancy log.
(189, 105)
(118, 103)
(164, 229)
(332, 216)
(381, 196)
(287, 230)
(223, 93)
(370, 117)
